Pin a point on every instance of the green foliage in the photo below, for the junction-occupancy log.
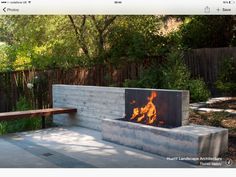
(3, 128)
(6, 63)
(198, 90)
(21, 124)
(23, 104)
(172, 74)
(133, 38)
(132, 83)
(175, 75)
(65, 41)
(203, 31)
(39, 42)
(228, 70)
(130, 44)
(227, 88)
(226, 81)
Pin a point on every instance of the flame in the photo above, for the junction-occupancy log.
(147, 112)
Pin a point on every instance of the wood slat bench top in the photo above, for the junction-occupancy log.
(33, 113)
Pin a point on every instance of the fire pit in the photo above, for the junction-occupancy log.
(156, 108)
(153, 120)
(153, 123)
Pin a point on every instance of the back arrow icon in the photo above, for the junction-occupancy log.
(4, 9)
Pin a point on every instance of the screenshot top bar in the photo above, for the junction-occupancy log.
(116, 7)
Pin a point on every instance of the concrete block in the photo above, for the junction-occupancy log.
(191, 141)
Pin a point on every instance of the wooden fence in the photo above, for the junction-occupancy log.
(14, 84)
(205, 63)
(202, 63)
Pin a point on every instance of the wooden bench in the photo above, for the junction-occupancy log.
(43, 113)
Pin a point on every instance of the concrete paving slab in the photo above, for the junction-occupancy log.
(12, 156)
(74, 147)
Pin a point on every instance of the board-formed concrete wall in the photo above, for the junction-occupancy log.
(95, 103)
(192, 141)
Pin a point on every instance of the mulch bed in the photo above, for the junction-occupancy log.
(221, 120)
(231, 150)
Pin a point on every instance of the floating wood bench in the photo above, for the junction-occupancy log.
(6, 116)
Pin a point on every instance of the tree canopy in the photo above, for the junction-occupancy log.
(66, 41)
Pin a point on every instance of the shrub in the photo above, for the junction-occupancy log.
(227, 88)
(172, 74)
(226, 81)
(22, 124)
(198, 90)
(23, 104)
(3, 127)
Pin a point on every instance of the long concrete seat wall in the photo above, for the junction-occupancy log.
(95, 103)
(192, 142)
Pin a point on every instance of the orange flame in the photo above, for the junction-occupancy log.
(148, 111)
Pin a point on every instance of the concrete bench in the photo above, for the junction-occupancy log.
(6, 116)
(191, 142)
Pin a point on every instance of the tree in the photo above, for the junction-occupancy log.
(207, 31)
(64, 41)
(100, 27)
